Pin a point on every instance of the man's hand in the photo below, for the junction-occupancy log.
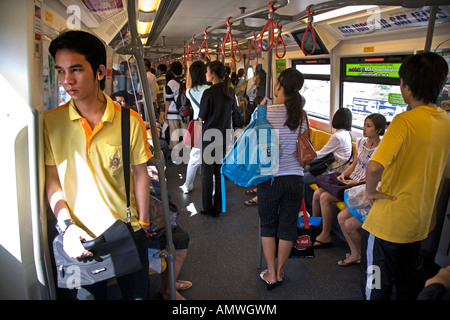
(72, 242)
(379, 195)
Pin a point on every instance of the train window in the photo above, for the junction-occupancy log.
(316, 88)
(371, 85)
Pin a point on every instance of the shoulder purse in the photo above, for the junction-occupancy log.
(115, 252)
(194, 131)
(319, 166)
(305, 150)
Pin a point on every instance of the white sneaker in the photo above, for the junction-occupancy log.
(185, 190)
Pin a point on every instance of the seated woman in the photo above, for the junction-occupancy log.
(339, 144)
(374, 126)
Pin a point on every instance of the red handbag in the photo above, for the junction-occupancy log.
(192, 136)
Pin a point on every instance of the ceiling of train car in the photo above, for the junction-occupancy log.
(193, 16)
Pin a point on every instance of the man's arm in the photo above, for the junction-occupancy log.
(373, 176)
(72, 233)
(142, 193)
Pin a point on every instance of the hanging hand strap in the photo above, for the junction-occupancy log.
(313, 34)
(253, 44)
(279, 40)
(269, 24)
(125, 123)
(204, 43)
(236, 49)
(228, 36)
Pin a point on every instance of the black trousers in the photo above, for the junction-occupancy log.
(278, 205)
(385, 264)
(212, 204)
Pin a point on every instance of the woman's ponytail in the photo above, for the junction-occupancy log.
(292, 81)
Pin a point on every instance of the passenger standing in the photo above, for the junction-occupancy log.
(196, 85)
(172, 115)
(241, 85)
(83, 161)
(258, 88)
(161, 70)
(279, 200)
(374, 126)
(215, 111)
(409, 162)
(151, 78)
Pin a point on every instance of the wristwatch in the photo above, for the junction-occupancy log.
(62, 226)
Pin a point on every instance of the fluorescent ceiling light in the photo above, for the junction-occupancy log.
(148, 5)
(341, 12)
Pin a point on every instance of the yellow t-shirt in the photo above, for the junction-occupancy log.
(413, 151)
(89, 163)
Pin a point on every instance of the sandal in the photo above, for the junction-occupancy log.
(251, 192)
(251, 203)
(270, 285)
(343, 263)
(182, 285)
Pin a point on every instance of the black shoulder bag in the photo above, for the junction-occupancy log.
(319, 166)
(114, 251)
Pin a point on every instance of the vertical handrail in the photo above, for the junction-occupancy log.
(430, 29)
(136, 49)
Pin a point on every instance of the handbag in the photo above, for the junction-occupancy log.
(156, 212)
(305, 150)
(114, 251)
(319, 166)
(192, 136)
(332, 185)
(307, 230)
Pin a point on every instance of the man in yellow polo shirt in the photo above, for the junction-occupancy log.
(83, 160)
(409, 161)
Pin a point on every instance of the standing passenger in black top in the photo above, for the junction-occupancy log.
(215, 111)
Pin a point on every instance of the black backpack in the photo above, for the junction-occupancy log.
(182, 103)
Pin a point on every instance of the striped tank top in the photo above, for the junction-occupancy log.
(364, 155)
(288, 163)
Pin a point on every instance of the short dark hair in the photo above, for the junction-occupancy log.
(177, 68)
(83, 43)
(198, 73)
(425, 74)
(379, 121)
(342, 119)
(161, 67)
(147, 63)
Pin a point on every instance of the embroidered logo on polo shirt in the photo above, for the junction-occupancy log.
(114, 161)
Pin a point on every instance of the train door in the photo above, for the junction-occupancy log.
(24, 270)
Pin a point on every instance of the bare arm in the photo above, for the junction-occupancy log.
(55, 195)
(73, 234)
(373, 176)
(142, 192)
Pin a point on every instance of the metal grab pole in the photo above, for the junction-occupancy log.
(136, 49)
(430, 29)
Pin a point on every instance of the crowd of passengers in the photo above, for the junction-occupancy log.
(401, 172)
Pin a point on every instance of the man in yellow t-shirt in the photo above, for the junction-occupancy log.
(409, 161)
(83, 161)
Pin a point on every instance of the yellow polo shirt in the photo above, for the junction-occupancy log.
(89, 163)
(413, 152)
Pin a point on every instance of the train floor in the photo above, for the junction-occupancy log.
(222, 260)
